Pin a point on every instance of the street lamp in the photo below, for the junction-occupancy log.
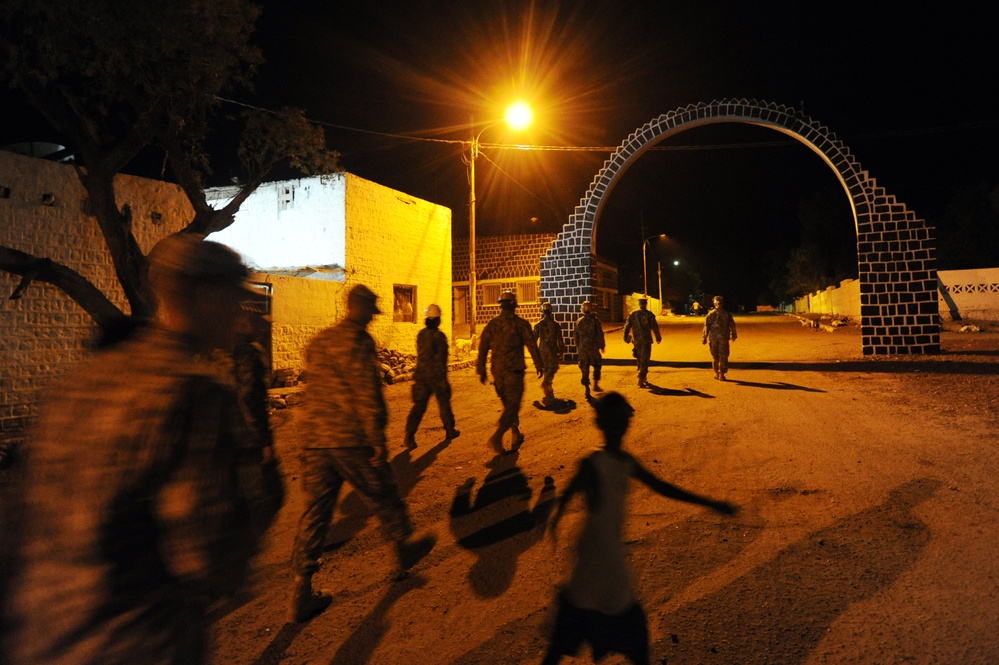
(645, 270)
(518, 116)
(676, 263)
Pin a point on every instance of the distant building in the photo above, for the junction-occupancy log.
(514, 262)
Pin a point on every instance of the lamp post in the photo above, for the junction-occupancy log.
(645, 269)
(517, 116)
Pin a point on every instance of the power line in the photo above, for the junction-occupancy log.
(670, 148)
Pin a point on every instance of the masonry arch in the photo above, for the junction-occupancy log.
(896, 251)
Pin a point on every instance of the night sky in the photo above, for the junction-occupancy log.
(910, 90)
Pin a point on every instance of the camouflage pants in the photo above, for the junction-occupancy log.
(550, 362)
(323, 474)
(586, 360)
(510, 388)
(642, 353)
(421, 391)
(719, 354)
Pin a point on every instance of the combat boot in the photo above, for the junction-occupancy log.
(409, 553)
(306, 603)
(451, 433)
(518, 439)
(596, 387)
(496, 443)
(410, 441)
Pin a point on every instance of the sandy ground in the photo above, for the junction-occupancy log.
(866, 533)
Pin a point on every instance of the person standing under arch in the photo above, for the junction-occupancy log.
(719, 328)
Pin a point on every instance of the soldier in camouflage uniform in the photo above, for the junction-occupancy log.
(548, 335)
(430, 378)
(506, 336)
(589, 336)
(141, 508)
(719, 327)
(344, 440)
(641, 326)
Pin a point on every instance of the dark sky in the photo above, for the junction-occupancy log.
(910, 90)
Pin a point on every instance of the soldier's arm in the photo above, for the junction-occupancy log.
(731, 320)
(532, 347)
(480, 362)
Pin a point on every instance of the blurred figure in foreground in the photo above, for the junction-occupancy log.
(430, 378)
(719, 328)
(598, 604)
(505, 336)
(641, 326)
(551, 346)
(589, 336)
(138, 514)
(345, 416)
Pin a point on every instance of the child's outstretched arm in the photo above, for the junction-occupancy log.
(670, 491)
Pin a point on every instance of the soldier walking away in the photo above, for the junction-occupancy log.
(598, 605)
(719, 328)
(551, 346)
(505, 336)
(641, 327)
(138, 513)
(589, 336)
(345, 416)
(430, 378)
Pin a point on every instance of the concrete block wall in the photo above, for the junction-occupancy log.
(44, 332)
(842, 300)
(394, 238)
(969, 294)
(300, 308)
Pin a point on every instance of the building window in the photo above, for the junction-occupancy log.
(527, 292)
(286, 198)
(404, 304)
(491, 294)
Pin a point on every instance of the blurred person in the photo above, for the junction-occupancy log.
(430, 378)
(719, 328)
(344, 419)
(138, 515)
(551, 347)
(589, 336)
(641, 327)
(506, 336)
(598, 604)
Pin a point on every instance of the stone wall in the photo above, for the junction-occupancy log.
(44, 212)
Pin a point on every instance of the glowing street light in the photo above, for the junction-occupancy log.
(518, 116)
(645, 269)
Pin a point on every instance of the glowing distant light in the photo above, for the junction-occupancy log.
(519, 115)
(676, 263)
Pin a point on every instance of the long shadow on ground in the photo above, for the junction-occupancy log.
(779, 612)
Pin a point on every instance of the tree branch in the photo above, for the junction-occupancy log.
(78, 288)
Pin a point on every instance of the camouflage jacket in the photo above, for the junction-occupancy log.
(548, 335)
(641, 326)
(344, 406)
(718, 324)
(506, 336)
(137, 503)
(589, 334)
(431, 356)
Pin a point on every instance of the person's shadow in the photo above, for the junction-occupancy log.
(499, 524)
(353, 513)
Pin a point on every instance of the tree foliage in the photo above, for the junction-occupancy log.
(828, 250)
(968, 229)
(118, 79)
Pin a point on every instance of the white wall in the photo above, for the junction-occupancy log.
(969, 294)
(288, 224)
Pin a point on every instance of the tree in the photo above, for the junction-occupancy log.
(968, 229)
(828, 250)
(120, 80)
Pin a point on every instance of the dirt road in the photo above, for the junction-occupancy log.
(867, 529)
